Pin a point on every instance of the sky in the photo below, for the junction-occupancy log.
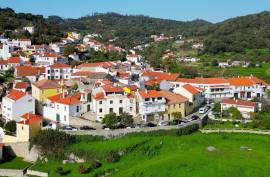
(183, 10)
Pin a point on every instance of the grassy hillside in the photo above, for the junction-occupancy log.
(175, 156)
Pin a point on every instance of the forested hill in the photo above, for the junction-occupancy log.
(233, 35)
(132, 30)
(238, 34)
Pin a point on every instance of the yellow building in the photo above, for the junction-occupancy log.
(175, 103)
(28, 127)
(43, 89)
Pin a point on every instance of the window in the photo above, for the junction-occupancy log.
(159, 98)
(121, 101)
(111, 110)
(65, 118)
(111, 101)
(78, 108)
(22, 127)
(130, 108)
(57, 106)
(100, 110)
(65, 108)
(120, 110)
(147, 99)
(100, 102)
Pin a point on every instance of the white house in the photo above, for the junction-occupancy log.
(5, 51)
(62, 107)
(107, 99)
(97, 67)
(194, 95)
(46, 59)
(245, 107)
(151, 103)
(214, 88)
(24, 42)
(30, 29)
(4, 66)
(32, 73)
(134, 58)
(15, 104)
(58, 71)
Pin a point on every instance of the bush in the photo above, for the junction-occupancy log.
(11, 126)
(83, 170)
(96, 164)
(113, 156)
(187, 130)
(53, 142)
(61, 172)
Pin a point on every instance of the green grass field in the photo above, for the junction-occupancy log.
(150, 155)
(14, 163)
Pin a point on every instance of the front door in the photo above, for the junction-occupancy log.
(88, 108)
(57, 117)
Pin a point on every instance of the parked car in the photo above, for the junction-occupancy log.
(203, 110)
(195, 117)
(69, 128)
(150, 124)
(87, 128)
(163, 123)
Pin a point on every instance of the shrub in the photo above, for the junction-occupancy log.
(11, 126)
(83, 170)
(113, 156)
(96, 164)
(61, 172)
(53, 142)
(187, 130)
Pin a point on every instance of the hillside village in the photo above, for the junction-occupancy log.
(54, 87)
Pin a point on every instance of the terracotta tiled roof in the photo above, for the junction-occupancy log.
(30, 119)
(219, 80)
(67, 99)
(29, 71)
(60, 65)
(121, 74)
(150, 93)
(24, 39)
(239, 102)
(241, 81)
(89, 74)
(191, 89)
(21, 85)
(47, 84)
(112, 89)
(173, 98)
(14, 60)
(3, 62)
(162, 75)
(99, 96)
(106, 64)
(153, 82)
(15, 95)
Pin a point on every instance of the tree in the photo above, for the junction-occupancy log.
(53, 142)
(177, 116)
(111, 120)
(235, 113)
(11, 126)
(217, 108)
(126, 119)
(69, 49)
(214, 63)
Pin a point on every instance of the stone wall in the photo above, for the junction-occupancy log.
(13, 173)
(36, 173)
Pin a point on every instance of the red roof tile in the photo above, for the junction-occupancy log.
(162, 75)
(239, 102)
(15, 95)
(60, 65)
(29, 71)
(150, 93)
(191, 89)
(21, 85)
(106, 64)
(67, 99)
(30, 119)
(14, 60)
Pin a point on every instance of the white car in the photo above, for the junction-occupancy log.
(163, 123)
(203, 110)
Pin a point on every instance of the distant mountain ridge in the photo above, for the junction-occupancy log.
(232, 35)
